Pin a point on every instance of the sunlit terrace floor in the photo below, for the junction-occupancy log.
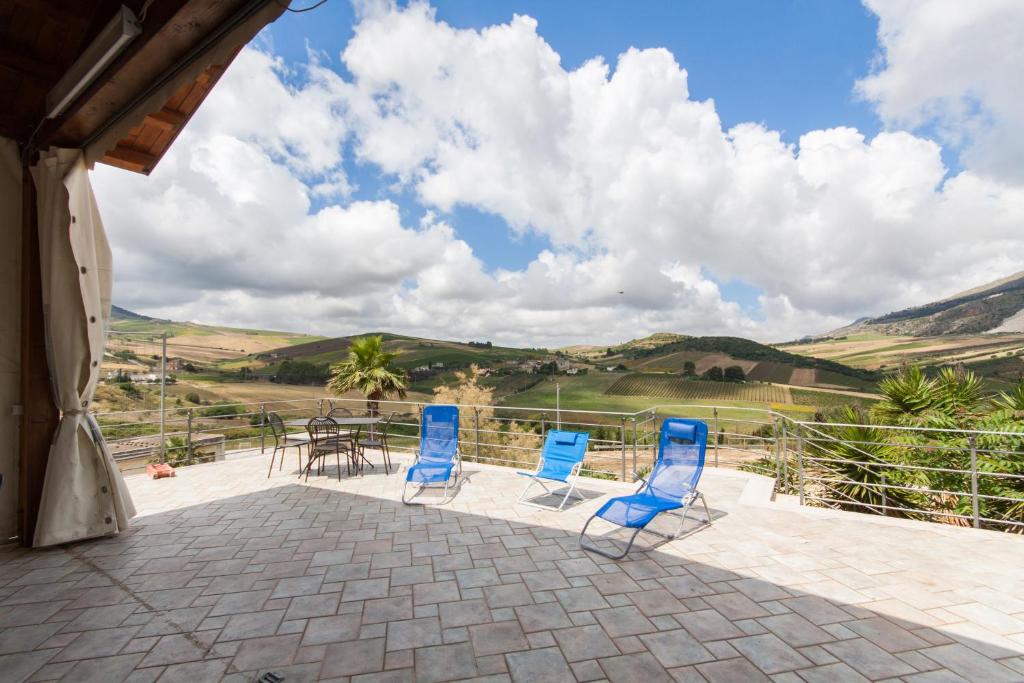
(227, 574)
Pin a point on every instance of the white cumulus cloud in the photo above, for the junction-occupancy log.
(646, 200)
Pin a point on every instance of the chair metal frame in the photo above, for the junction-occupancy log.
(281, 442)
(453, 477)
(382, 442)
(325, 437)
(570, 481)
(685, 504)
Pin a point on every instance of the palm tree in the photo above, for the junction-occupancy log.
(369, 370)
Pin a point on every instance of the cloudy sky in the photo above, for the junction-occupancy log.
(554, 173)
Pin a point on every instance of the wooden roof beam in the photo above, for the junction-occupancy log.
(167, 119)
(130, 159)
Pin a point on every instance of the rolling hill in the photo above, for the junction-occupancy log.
(667, 353)
(982, 328)
(997, 307)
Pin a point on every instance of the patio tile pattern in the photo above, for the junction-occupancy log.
(227, 574)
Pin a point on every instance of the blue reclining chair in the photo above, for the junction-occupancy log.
(438, 456)
(560, 461)
(672, 485)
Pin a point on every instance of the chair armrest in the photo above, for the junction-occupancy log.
(637, 476)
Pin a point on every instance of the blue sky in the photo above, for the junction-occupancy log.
(790, 65)
(760, 169)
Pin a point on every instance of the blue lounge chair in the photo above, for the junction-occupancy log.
(438, 456)
(560, 461)
(672, 485)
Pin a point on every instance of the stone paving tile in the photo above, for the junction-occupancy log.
(869, 659)
(770, 654)
(227, 572)
(624, 621)
(544, 665)
(796, 630)
(445, 663)
(498, 638)
(639, 667)
(585, 642)
(464, 613)
(320, 630)
(837, 672)
(676, 648)
(543, 617)
(413, 633)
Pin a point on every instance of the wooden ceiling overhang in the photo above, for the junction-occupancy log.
(132, 113)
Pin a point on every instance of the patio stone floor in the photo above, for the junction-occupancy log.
(227, 574)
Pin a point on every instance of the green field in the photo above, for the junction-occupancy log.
(681, 389)
(589, 393)
(824, 400)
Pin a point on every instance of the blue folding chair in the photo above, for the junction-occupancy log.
(438, 456)
(560, 461)
(672, 485)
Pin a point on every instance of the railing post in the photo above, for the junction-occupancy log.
(543, 425)
(800, 459)
(622, 439)
(785, 457)
(476, 418)
(634, 443)
(776, 445)
(263, 427)
(885, 495)
(320, 407)
(188, 437)
(975, 512)
(714, 413)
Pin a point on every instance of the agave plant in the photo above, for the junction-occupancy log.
(958, 393)
(911, 398)
(1012, 400)
(856, 463)
(908, 395)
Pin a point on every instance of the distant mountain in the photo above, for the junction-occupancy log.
(995, 307)
(118, 314)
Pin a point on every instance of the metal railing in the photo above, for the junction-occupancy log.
(965, 477)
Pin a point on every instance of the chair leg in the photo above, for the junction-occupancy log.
(272, 456)
(594, 549)
(337, 460)
(386, 454)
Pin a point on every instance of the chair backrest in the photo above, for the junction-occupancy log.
(682, 445)
(562, 451)
(339, 412)
(276, 426)
(439, 433)
(320, 428)
(382, 429)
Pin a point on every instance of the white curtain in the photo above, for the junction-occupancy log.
(84, 495)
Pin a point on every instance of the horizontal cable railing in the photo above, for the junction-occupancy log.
(965, 477)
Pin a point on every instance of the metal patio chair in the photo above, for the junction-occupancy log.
(379, 440)
(560, 461)
(283, 440)
(325, 438)
(672, 485)
(438, 456)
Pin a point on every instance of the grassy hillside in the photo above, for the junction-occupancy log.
(998, 358)
(413, 352)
